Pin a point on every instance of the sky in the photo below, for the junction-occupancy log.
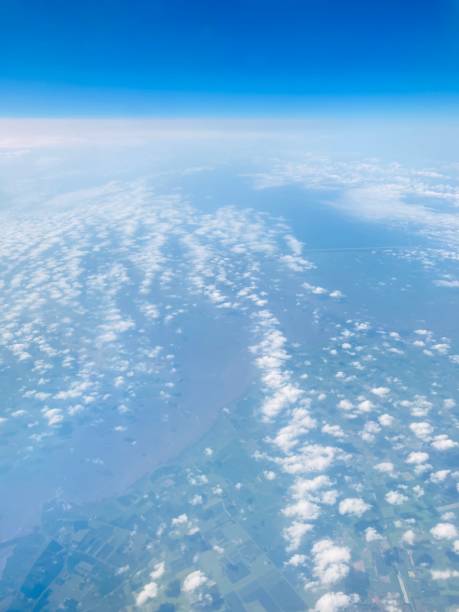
(201, 57)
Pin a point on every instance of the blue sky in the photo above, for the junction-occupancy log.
(169, 57)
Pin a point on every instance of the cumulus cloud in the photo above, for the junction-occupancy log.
(149, 591)
(303, 486)
(299, 424)
(297, 560)
(439, 476)
(449, 283)
(395, 498)
(315, 289)
(333, 430)
(295, 245)
(416, 458)
(271, 354)
(158, 570)
(386, 420)
(366, 405)
(354, 506)
(310, 458)
(444, 531)
(409, 537)
(371, 535)
(331, 562)
(295, 533)
(54, 416)
(380, 391)
(296, 263)
(444, 574)
(332, 602)
(345, 404)
(193, 581)
(443, 443)
(283, 397)
(302, 509)
(386, 467)
(182, 519)
(422, 429)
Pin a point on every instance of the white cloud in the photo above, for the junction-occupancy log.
(443, 443)
(422, 429)
(409, 537)
(296, 263)
(332, 602)
(53, 416)
(395, 498)
(158, 571)
(299, 424)
(333, 430)
(331, 562)
(444, 531)
(386, 420)
(444, 574)
(439, 476)
(295, 245)
(416, 458)
(371, 535)
(295, 533)
(450, 283)
(310, 458)
(303, 487)
(149, 591)
(182, 519)
(194, 581)
(380, 391)
(282, 398)
(345, 404)
(355, 506)
(303, 509)
(386, 467)
(297, 560)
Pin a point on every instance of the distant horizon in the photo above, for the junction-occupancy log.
(424, 136)
(193, 106)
